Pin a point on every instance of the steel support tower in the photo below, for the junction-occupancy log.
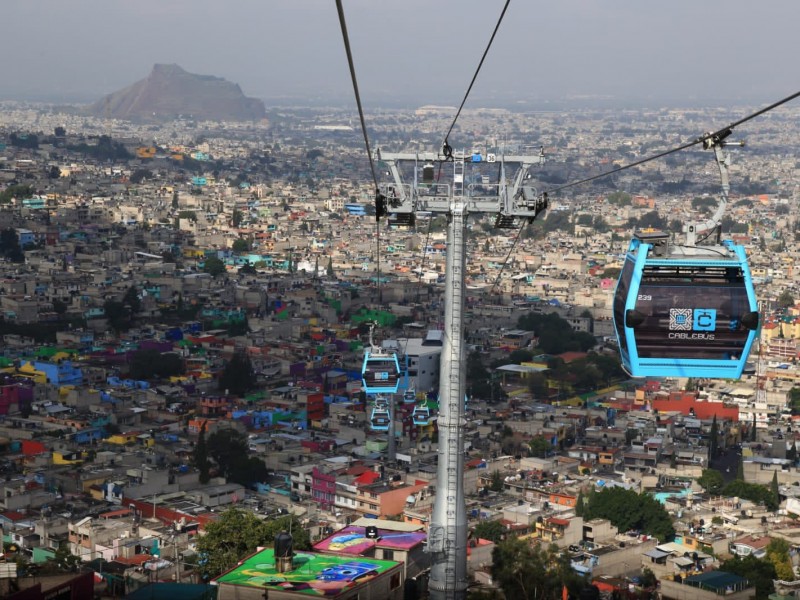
(456, 198)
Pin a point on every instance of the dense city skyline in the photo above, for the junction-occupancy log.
(622, 51)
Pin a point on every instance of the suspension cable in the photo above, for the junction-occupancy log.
(703, 139)
(424, 256)
(511, 250)
(446, 149)
(379, 200)
(353, 78)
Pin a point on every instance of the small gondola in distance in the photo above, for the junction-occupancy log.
(380, 417)
(421, 415)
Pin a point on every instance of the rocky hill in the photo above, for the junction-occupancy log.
(169, 91)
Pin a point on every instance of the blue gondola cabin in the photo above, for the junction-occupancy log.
(684, 311)
(380, 372)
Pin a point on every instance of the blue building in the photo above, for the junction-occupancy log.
(26, 237)
(60, 373)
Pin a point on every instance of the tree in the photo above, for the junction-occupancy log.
(537, 384)
(314, 154)
(236, 217)
(200, 456)
(580, 504)
(213, 266)
(712, 440)
(627, 510)
(496, 483)
(520, 356)
(247, 471)
(794, 400)
(556, 334)
(105, 149)
(9, 246)
(140, 175)
(175, 202)
(525, 571)
(540, 447)
(241, 245)
(131, 300)
(64, 560)
(493, 531)
(711, 481)
(753, 429)
(149, 364)
(778, 555)
(785, 300)
(740, 470)
(238, 377)
(619, 198)
(759, 571)
(238, 533)
(15, 191)
(648, 579)
(24, 140)
(760, 494)
(225, 447)
(59, 306)
(480, 381)
(330, 272)
(775, 490)
(118, 316)
(703, 203)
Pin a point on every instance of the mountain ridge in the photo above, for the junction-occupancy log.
(169, 91)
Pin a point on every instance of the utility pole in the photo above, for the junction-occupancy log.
(457, 199)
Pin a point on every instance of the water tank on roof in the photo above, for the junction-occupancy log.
(284, 552)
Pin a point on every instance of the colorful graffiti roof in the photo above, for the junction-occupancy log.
(313, 574)
(352, 540)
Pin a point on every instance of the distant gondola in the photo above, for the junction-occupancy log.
(380, 372)
(380, 417)
(421, 415)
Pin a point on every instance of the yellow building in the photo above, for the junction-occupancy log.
(193, 253)
(67, 458)
(29, 372)
(122, 439)
(790, 329)
(770, 331)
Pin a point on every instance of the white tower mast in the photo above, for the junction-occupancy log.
(447, 534)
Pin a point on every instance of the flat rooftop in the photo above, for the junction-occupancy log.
(312, 574)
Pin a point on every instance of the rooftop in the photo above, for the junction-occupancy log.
(313, 574)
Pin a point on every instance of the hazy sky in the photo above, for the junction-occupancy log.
(416, 51)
